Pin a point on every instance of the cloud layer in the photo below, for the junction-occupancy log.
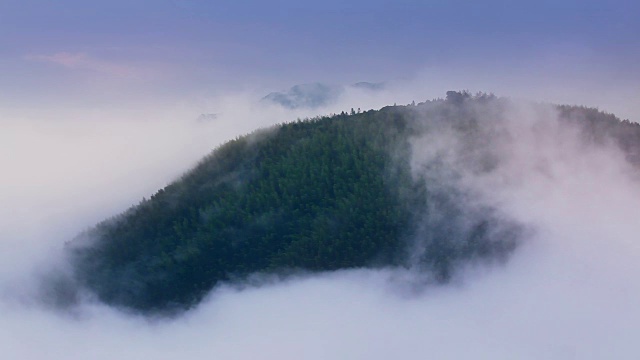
(568, 292)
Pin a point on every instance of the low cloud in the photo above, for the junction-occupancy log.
(569, 291)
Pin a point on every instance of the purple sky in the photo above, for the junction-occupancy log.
(122, 53)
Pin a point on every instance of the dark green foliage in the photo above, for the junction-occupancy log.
(599, 127)
(320, 194)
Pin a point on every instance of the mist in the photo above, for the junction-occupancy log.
(568, 290)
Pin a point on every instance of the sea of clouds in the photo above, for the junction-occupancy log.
(568, 292)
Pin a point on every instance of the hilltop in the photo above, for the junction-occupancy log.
(321, 194)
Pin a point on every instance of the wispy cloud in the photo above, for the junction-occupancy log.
(84, 61)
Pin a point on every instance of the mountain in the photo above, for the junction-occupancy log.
(321, 194)
(315, 95)
(305, 96)
(369, 86)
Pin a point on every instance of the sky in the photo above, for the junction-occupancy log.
(99, 104)
(134, 53)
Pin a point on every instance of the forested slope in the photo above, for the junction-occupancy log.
(319, 194)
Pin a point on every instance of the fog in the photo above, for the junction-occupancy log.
(568, 291)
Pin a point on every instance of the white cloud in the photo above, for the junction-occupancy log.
(569, 292)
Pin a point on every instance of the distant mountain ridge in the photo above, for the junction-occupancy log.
(315, 95)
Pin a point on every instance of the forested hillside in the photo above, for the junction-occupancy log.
(320, 194)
